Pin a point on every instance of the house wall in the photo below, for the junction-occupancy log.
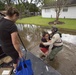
(70, 13)
(48, 13)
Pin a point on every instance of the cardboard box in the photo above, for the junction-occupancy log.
(7, 59)
(5, 71)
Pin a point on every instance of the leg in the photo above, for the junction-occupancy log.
(54, 52)
(14, 65)
(15, 61)
(15, 56)
(40, 53)
(14, 68)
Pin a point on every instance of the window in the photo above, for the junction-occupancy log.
(65, 9)
(47, 10)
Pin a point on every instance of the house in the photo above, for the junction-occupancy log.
(68, 11)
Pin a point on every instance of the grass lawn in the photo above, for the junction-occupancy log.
(38, 20)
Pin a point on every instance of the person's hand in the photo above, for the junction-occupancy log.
(21, 55)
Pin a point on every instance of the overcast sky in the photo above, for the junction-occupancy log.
(29, 0)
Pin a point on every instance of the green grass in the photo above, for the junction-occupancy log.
(38, 20)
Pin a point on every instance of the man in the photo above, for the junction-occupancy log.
(56, 41)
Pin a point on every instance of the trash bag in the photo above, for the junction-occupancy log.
(24, 67)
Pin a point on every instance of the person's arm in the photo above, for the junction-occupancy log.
(46, 43)
(54, 38)
(16, 44)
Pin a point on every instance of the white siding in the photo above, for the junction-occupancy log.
(71, 13)
(48, 13)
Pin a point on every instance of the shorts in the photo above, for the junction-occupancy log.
(14, 56)
(10, 51)
(44, 50)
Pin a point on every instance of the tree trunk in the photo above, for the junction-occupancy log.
(57, 14)
(57, 17)
(8, 3)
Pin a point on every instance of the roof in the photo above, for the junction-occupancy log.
(73, 3)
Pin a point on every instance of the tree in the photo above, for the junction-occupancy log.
(8, 3)
(22, 5)
(33, 7)
(2, 6)
(59, 4)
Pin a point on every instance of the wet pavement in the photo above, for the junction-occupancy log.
(65, 61)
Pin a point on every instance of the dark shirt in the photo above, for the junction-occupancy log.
(6, 28)
(41, 45)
